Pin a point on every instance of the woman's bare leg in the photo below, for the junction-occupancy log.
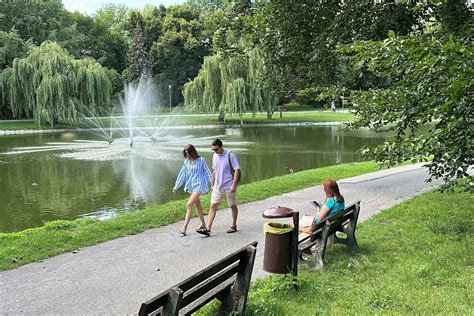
(189, 208)
(200, 212)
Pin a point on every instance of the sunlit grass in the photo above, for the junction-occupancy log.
(173, 120)
(414, 258)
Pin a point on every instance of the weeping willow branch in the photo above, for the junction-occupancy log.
(234, 86)
(53, 87)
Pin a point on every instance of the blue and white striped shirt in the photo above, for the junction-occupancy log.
(195, 177)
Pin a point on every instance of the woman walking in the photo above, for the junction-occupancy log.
(195, 175)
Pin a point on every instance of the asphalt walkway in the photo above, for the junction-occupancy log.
(115, 277)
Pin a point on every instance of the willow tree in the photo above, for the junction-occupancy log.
(53, 87)
(232, 86)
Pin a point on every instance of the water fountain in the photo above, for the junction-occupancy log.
(139, 144)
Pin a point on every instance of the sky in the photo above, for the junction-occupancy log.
(91, 6)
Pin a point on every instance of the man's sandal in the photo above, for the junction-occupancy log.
(204, 231)
(232, 229)
(200, 227)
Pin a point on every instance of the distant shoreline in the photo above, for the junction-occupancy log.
(201, 126)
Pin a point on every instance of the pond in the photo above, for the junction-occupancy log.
(45, 177)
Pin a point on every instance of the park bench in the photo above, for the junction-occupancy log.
(228, 280)
(325, 232)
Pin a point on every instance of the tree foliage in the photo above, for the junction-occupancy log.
(227, 26)
(178, 54)
(137, 55)
(12, 46)
(32, 19)
(428, 103)
(53, 87)
(233, 85)
(300, 39)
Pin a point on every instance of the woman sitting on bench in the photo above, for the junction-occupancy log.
(333, 204)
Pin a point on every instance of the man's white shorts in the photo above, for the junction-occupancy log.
(218, 196)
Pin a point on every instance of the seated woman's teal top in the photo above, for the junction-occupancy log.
(334, 208)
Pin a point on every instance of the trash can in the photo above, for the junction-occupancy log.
(277, 254)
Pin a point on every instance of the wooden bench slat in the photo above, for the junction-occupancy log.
(153, 304)
(214, 293)
(212, 269)
(208, 285)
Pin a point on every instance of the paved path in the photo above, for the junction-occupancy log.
(115, 277)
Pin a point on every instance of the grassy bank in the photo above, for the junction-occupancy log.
(173, 120)
(414, 258)
(17, 125)
(56, 237)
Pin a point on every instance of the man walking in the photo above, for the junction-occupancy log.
(225, 178)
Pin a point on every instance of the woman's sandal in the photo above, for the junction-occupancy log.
(204, 231)
(182, 231)
(232, 229)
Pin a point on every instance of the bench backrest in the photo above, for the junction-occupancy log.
(200, 288)
(336, 221)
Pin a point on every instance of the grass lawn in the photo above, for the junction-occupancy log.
(288, 117)
(17, 125)
(60, 236)
(414, 258)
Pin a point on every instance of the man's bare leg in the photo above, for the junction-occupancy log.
(212, 215)
(235, 213)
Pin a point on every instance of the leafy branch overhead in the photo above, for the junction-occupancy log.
(427, 103)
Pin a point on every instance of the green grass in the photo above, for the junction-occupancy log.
(17, 125)
(294, 117)
(414, 258)
(56, 237)
(314, 116)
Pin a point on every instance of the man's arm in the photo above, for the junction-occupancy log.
(233, 188)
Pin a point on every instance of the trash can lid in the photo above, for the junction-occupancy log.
(278, 212)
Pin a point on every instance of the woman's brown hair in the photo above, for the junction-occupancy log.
(331, 188)
(190, 152)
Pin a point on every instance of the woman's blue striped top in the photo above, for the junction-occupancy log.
(195, 177)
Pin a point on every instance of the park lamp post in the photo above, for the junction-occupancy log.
(169, 88)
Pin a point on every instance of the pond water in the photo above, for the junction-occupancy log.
(44, 177)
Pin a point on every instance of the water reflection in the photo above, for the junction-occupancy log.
(63, 176)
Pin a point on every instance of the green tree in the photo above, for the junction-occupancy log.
(110, 30)
(32, 19)
(178, 54)
(300, 39)
(428, 103)
(150, 20)
(53, 87)
(203, 7)
(12, 46)
(137, 55)
(226, 26)
(69, 38)
(232, 85)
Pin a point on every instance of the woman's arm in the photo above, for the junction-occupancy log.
(324, 210)
(321, 215)
(206, 170)
(182, 177)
